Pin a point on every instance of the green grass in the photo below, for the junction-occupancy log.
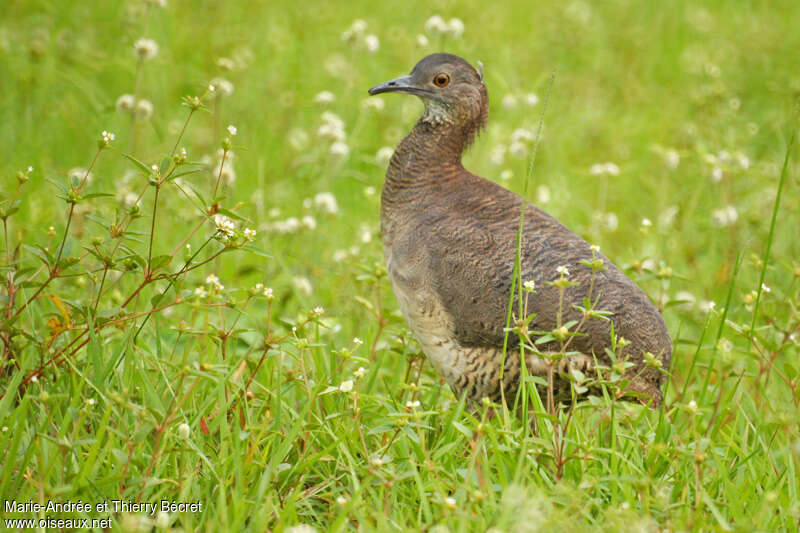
(146, 389)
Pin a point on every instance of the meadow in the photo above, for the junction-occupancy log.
(195, 306)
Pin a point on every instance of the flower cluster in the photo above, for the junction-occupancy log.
(437, 26)
(604, 169)
(140, 109)
(358, 37)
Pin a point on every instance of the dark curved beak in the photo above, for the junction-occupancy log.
(403, 84)
(398, 85)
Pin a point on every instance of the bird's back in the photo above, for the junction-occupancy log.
(452, 249)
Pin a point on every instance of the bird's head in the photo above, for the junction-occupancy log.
(451, 89)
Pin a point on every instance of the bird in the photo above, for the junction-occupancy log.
(450, 244)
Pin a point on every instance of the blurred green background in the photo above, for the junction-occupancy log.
(664, 137)
(632, 79)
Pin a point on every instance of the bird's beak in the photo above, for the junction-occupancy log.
(403, 84)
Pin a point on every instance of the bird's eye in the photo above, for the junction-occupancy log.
(441, 79)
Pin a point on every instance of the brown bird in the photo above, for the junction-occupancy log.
(449, 240)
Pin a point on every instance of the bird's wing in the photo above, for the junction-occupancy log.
(471, 264)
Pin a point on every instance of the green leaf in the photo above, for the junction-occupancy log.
(144, 168)
(95, 352)
(41, 253)
(165, 163)
(229, 213)
(257, 251)
(185, 173)
(160, 261)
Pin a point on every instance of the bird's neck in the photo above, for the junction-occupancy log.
(432, 149)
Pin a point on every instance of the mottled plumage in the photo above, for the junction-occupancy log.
(449, 239)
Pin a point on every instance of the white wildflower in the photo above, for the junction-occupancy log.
(529, 285)
(162, 520)
(765, 288)
(530, 99)
(365, 234)
(249, 234)
(340, 149)
(450, 502)
(222, 87)
(324, 98)
(542, 194)
(707, 306)
(646, 222)
(331, 133)
(743, 160)
(224, 224)
(303, 285)
(326, 202)
(125, 103)
(716, 174)
(498, 154)
(455, 27)
(692, 406)
(145, 49)
(672, 158)
(346, 386)
(611, 221)
(506, 174)
(200, 292)
(668, 215)
(372, 43)
(725, 216)
(563, 271)
(290, 225)
(436, 25)
(225, 171)
(509, 101)
(595, 249)
(355, 31)
(213, 280)
(518, 149)
(607, 169)
(413, 404)
(317, 312)
(226, 63)
(373, 103)
(78, 174)
(144, 109)
(184, 431)
(422, 41)
(309, 222)
(360, 372)
(522, 135)
(298, 139)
